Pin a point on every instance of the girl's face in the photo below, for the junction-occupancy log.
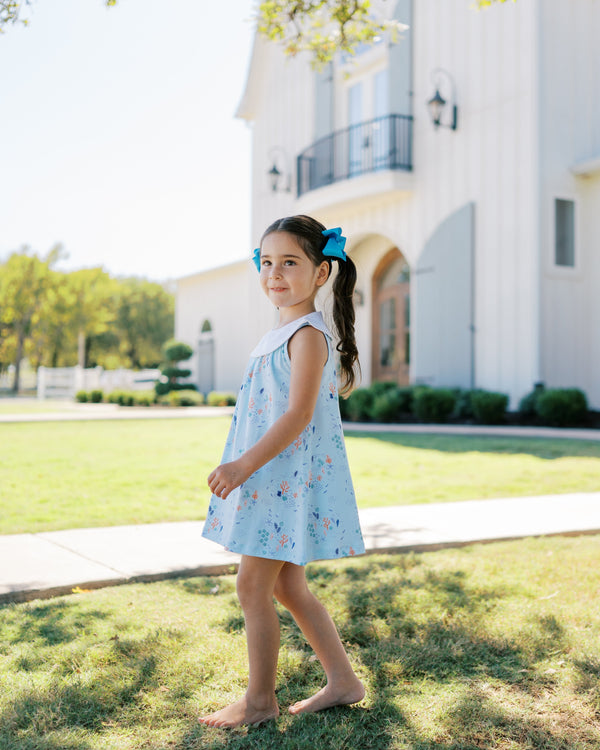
(288, 276)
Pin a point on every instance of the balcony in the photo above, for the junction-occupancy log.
(384, 143)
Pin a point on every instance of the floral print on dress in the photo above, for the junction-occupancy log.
(300, 506)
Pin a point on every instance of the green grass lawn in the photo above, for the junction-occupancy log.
(57, 475)
(489, 646)
(18, 405)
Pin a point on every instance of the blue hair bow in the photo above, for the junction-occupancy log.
(256, 258)
(336, 243)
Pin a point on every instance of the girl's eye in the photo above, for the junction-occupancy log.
(290, 263)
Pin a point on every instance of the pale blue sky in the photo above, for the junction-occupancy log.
(118, 134)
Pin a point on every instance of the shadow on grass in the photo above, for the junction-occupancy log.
(408, 625)
(415, 633)
(546, 448)
(48, 623)
(59, 710)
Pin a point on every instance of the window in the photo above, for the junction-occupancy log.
(564, 233)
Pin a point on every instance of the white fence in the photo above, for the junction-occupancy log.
(27, 379)
(64, 382)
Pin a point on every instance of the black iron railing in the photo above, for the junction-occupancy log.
(382, 143)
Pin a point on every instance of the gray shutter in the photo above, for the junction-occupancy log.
(400, 57)
(444, 318)
(324, 102)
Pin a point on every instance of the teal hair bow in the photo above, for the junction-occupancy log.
(336, 243)
(256, 258)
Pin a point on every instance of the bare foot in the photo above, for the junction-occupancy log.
(239, 713)
(329, 697)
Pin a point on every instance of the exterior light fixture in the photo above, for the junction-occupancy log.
(279, 174)
(437, 103)
(274, 175)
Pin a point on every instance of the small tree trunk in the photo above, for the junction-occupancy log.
(18, 358)
(81, 348)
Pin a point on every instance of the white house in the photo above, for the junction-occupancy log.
(478, 248)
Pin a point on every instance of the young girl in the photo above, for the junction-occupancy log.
(283, 495)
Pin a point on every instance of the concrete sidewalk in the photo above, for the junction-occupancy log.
(48, 564)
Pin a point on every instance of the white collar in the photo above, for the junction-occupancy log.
(278, 336)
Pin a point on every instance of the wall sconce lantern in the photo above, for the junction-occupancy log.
(279, 179)
(437, 103)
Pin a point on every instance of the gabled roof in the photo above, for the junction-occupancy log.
(257, 66)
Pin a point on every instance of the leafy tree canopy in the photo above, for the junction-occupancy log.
(320, 27)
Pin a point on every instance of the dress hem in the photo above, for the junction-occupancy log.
(238, 551)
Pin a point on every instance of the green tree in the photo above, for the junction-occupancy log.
(145, 319)
(53, 345)
(24, 281)
(93, 309)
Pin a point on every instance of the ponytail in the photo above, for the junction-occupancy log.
(343, 317)
(310, 235)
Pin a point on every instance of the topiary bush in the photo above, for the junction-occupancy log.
(174, 352)
(96, 396)
(489, 407)
(561, 407)
(81, 397)
(434, 404)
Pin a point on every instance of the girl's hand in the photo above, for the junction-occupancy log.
(227, 477)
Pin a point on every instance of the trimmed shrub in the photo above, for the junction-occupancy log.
(343, 401)
(144, 398)
(182, 398)
(489, 407)
(358, 405)
(406, 398)
(220, 398)
(386, 406)
(160, 387)
(562, 406)
(127, 398)
(122, 398)
(172, 373)
(463, 407)
(434, 404)
(96, 396)
(81, 396)
(528, 404)
(173, 352)
(381, 387)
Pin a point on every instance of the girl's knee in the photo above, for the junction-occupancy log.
(291, 596)
(252, 589)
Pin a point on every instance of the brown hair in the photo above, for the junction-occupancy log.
(309, 234)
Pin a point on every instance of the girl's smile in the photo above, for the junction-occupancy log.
(288, 277)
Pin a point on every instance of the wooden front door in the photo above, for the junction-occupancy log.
(391, 319)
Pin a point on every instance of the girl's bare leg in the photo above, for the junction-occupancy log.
(343, 686)
(255, 583)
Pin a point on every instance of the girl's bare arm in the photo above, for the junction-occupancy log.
(308, 354)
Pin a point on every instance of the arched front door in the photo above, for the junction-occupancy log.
(391, 319)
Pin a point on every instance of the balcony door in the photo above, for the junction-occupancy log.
(355, 117)
(391, 319)
(381, 126)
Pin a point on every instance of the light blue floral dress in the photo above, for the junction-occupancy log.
(300, 506)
